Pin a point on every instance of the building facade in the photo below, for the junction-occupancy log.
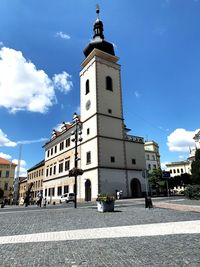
(110, 158)
(152, 155)
(7, 173)
(35, 175)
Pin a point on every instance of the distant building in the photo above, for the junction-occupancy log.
(22, 188)
(184, 166)
(152, 155)
(7, 173)
(179, 167)
(35, 175)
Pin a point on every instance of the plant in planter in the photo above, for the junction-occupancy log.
(105, 202)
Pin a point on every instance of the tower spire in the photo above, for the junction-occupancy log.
(98, 41)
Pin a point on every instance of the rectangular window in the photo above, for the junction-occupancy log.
(50, 171)
(67, 142)
(51, 191)
(47, 172)
(55, 149)
(66, 189)
(59, 190)
(88, 157)
(112, 159)
(174, 171)
(178, 170)
(134, 161)
(7, 174)
(60, 167)
(67, 165)
(45, 192)
(153, 157)
(54, 169)
(47, 153)
(42, 172)
(51, 151)
(181, 170)
(88, 131)
(0, 173)
(110, 111)
(61, 145)
(147, 156)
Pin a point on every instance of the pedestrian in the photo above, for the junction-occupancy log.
(45, 202)
(39, 201)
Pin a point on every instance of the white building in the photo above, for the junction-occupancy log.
(152, 155)
(180, 167)
(111, 159)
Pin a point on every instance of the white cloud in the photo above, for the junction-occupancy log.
(180, 140)
(62, 82)
(63, 35)
(27, 142)
(24, 87)
(4, 141)
(5, 156)
(22, 169)
(163, 165)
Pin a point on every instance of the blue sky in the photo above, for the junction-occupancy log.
(41, 49)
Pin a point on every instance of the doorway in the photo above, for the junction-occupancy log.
(136, 188)
(87, 190)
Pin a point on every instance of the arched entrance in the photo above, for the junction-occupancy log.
(87, 190)
(136, 188)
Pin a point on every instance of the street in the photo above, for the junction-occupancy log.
(131, 236)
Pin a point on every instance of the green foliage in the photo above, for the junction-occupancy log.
(192, 191)
(1, 193)
(196, 168)
(155, 178)
(105, 198)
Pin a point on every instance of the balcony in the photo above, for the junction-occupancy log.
(136, 139)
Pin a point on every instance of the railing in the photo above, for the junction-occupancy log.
(136, 139)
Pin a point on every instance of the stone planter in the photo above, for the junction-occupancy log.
(105, 206)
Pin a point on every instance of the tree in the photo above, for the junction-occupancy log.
(155, 180)
(196, 168)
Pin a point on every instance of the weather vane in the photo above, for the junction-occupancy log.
(97, 10)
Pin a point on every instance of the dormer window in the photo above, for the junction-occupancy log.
(87, 87)
(109, 84)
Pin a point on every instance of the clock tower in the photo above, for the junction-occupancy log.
(104, 147)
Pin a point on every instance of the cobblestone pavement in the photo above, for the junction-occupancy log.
(161, 250)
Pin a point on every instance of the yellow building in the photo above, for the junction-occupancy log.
(22, 189)
(35, 175)
(7, 172)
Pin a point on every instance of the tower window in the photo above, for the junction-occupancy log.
(88, 157)
(134, 161)
(112, 159)
(87, 87)
(109, 85)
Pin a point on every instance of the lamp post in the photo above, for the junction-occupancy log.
(77, 137)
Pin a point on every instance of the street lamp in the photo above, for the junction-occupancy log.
(76, 137)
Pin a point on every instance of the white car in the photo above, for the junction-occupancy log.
(67, 197)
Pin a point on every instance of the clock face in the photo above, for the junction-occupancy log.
(88, 105)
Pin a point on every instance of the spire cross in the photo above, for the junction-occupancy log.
(97, 10)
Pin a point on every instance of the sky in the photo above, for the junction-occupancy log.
(41, 49)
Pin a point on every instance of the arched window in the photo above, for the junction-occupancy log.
(87, 87)
(109, 85)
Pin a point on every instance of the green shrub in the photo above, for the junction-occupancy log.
(105, 198)
(192, 191)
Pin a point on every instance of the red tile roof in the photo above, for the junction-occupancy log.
(6, 162)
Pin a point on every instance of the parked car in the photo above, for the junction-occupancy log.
(67, 197)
